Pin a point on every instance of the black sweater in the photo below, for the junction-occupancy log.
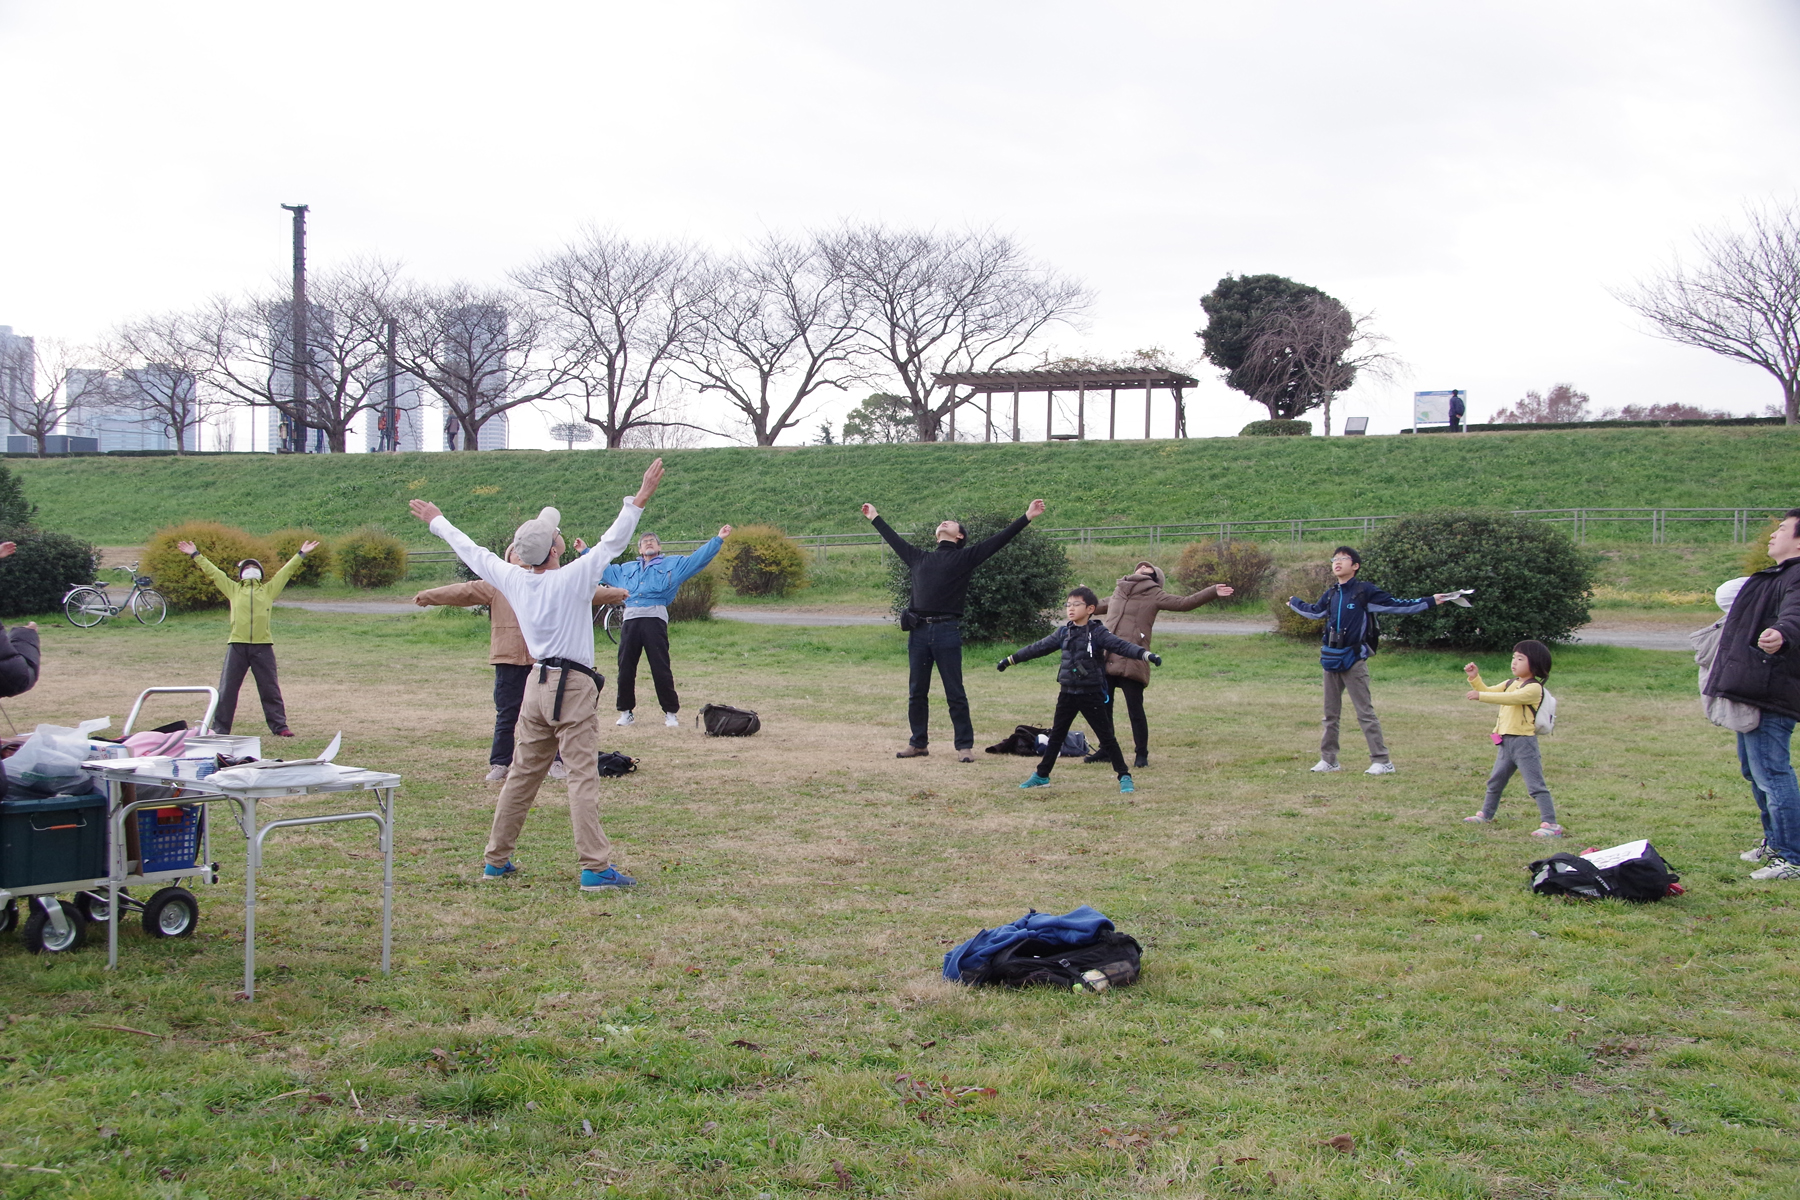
(940, 578)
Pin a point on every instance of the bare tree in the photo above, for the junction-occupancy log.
(775, 327)
(1741, 301)
(621, 315)
(482, 352)
(930, 304)
(160, 366)
(42, 386)
(242, 350)
(1302, 355)
(1562, 404)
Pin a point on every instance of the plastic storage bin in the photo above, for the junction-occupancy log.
(52, 840)
(169, 838)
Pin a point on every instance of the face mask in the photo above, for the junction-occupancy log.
(251, 574)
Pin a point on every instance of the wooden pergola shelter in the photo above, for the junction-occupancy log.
(987, 383)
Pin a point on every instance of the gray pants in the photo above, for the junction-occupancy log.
(1356, 681)
(1518, 752)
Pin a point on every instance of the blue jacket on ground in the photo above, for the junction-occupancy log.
(1348, 608)
(654, 584)
(1083, 924)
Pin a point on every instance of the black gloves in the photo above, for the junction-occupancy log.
(1003, 663)
(1154, 660)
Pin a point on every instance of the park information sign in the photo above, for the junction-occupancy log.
(1433, 408)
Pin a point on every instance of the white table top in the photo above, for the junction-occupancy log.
(354, 779)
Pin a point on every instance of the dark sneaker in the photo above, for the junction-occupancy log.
(1142, 760)
(489, 871)
(284, 731)
(1036, 781)
(914, 752)
(1096, 756)
(599, 881)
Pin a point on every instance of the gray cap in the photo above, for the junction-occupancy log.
(535, 538)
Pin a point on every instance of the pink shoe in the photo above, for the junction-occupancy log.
(1549, 829)
(1478, 819)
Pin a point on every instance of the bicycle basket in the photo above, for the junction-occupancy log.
(143, 580)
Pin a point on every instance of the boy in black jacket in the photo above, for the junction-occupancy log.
(1085, 644)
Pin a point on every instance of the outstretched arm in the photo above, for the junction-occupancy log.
(1206, 595)
(909, 553)
(987, 548)
(482, 561)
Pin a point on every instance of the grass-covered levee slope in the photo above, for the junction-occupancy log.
(816, 489)
(1326, 957)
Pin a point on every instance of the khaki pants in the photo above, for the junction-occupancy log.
(1356, 681)
(536, 740)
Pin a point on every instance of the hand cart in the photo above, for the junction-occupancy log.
(53, 925)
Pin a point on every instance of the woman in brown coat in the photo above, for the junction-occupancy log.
(1131, 614)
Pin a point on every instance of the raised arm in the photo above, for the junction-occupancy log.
(482, 561)
(220, 579)
(457, 595)
(689, 565)
(909, 553)
(1205, 595)
(280, 579)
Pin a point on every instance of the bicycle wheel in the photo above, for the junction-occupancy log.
(148, 606)
(86, 607)
(608, 619)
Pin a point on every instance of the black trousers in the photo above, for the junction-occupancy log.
(1133, 691)
(258, 658)
(509, 693)
(647, 636)
(1098, 712)
(937, 644)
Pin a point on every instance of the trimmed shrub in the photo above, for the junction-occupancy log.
(1530, 579)
(316, 568)
(1279, 428)
(180, 580)
(1307, 581)
(36, 576)
(1012, 595)
(1245, 566)
(694, 602)
(16, 512)
(760, 560)
(371, 557)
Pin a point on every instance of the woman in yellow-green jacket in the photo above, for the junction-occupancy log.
(249, 648)
(1515, 733)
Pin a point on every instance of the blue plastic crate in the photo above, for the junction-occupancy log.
(169, 837)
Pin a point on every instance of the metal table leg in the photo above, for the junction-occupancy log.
(387, 878)
(252, 860)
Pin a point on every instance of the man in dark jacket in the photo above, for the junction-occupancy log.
(1084, 643)
(1348, 608)
(940, 584)
(18, 650)
(1758, 663)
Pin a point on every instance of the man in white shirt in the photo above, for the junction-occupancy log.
(561, 708)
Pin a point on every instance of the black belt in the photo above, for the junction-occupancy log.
(546, 665)
(924, 620)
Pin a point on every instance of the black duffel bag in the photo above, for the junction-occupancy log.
(1112, 959)
(722, 720)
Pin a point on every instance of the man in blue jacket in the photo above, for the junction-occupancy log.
(652, 582)
(1348, 608)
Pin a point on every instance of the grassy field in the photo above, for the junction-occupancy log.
(816, 489)
(764, 1016)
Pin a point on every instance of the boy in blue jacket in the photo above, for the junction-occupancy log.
(1084, 643)
(652, 582)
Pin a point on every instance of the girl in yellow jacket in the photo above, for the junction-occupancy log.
(1515, 733)
(249, 647)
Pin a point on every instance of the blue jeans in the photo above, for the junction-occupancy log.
(941, 644)
(1763, 757)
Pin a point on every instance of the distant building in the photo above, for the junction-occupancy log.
(409, 417)
(280, 430)
(121, 411)
(18, 375)
(475, 354)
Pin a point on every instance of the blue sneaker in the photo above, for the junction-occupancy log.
(1036, 781)
(1126, 787)
(599, 881)
(489, 871)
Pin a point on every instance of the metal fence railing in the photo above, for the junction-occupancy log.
(1744, 523)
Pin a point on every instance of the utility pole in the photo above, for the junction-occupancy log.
(297, 336)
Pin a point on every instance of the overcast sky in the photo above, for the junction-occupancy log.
(1476, 174)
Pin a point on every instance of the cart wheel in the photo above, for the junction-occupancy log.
(9, 916)
(172, 912)
(95, 906)
(40, 937)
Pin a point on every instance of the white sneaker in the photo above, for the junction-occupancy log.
(1386, 768)
(1758, 853)
(625, 718)
(1322, 766)
(497, 774)
(671, 720)
(1778, 868)
(559, 769)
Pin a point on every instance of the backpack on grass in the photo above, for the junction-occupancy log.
(1633, 871)
(722, 720)
(1116, 956)
(614, 764)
